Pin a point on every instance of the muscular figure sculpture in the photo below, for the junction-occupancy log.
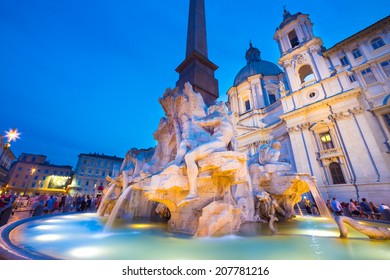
(221, 130)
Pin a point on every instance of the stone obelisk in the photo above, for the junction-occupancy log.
(197, 68)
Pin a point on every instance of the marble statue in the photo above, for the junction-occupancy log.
(266, 208)
(217, 123)
(377, 233)
(269, 153)
(202, 185)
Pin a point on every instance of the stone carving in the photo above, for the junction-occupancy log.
(265, 209)
(192, 170)
(379, 233)
(196, 178)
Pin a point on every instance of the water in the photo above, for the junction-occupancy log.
(80, 236)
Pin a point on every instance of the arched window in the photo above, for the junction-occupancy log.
(377, 43)
(306, 74)
(336, 173)
(292, 36)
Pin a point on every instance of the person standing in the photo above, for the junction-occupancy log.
(336, 207)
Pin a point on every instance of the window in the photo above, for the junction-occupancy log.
(104, 174)
(292, 36)
(352, 78)
(33, 159)
(312, 95)
(356, 53)
(386, 67)
(87, 183)
(36, 178)
(326, 141)
(344, 61)
(377, 43)
(272, 97)
(387, 119)
(368, 76)
(336, 173)
(247, 105)
(55, 172)
(306, 74)
(46, 171)
(20, 169)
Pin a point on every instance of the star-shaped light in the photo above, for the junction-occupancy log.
(12, 135)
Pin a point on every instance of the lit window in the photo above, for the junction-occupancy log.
(352, 78)
(387, 119)
(368, 76)
(356, 53)
(386, 67)
(377, 43)
(326, 141)
(344, 61)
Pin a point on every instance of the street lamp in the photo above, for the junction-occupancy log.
(33, 170)
(11, 135)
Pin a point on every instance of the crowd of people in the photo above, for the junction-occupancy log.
(51, 203)
(364, 209)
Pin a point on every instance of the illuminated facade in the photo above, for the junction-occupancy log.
(91, 172)
(332, 111)
(34, 174)
(6, 159)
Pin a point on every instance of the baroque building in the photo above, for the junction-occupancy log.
(91, 172)
(330, 108)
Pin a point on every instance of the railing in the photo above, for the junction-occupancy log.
(335, 152)
(308, 83)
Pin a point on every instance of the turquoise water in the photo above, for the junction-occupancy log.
(80, 236)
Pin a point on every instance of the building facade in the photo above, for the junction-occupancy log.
(32, 174)
(91, 172)
(7, 157)
(332, 110)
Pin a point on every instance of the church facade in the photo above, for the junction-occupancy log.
(329, 108)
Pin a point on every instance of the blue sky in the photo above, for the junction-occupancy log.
(85, 76)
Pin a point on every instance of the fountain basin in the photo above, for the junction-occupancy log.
(81, 236)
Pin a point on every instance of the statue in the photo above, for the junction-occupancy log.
(217, 123)
(265, 209)
(269, 153)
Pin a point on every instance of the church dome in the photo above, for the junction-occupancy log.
(255, 65)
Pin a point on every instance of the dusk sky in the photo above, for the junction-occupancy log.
(85, 76)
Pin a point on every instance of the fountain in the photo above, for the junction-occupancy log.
(213, 201)
(234, 208)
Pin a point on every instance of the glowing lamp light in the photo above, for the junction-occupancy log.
(12, 135)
